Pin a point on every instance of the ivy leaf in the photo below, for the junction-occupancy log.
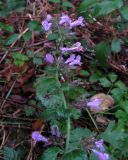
(76, 154)
(124, 12)
(51, 153)
(102, 51)
(116, 45)
(10, 154)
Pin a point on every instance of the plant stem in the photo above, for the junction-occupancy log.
(68, 118)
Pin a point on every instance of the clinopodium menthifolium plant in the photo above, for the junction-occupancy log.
(55, 91)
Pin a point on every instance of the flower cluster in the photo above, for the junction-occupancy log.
(65, 19)
(77, 47)
(74, 48)
(46, 24)
(100, 153)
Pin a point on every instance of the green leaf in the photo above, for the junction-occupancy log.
(52, 36)
(29, 111)
(34, 25)
(6, 27)
(117, 93)
(37, 61)
(54, 1)
(12, 39)
(124, 12)
(94, 77)
(105, 82)
(121, 85)
(113, 135)
(51, 153)
(116, 45)
(19, 59)
(86, 4)
(67, 4)
(30, 53)
(79, 133)
(16, 5)
(27, 36)
(10, 154)
(77, 154)
(112, 76)
(102, 51)
(107, 7)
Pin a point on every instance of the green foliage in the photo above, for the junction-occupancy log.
(113, 135)
(34, 25)
(12, 39)
(102, 51)
(76, 154)
(55, 1)
(67, 4)
(102, 8)
(51, 153)
(53, 36)
(6, 27)
(19, 59)
(11, 6)
(116, 45)
(10, 154)
(124, 12)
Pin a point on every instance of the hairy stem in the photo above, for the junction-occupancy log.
(68, 118)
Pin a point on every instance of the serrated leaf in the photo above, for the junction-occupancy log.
(102, 51)
(12, 39)
(112, 76)
(105, 82)
(67, 4)
(124, 12)
(113, 135)
(10, 154)
(77, 154)
(51, 153)
(116, 45)
(79, 133)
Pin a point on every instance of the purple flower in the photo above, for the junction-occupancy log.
(46, 23)
(99, 145)
(55, 131)
(101, 155)
(95, 104)
(49, 58)
(76, 47)
(37, 137)
(73, 60)
(64, 19)
(49, 17)
(78, 22)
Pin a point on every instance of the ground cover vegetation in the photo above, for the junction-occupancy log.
(63, 80)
